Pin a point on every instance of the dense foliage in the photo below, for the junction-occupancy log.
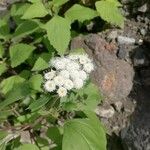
(31, 34)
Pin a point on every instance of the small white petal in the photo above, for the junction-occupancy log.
(62, 92)
(88, 67)
(74, 74)
(82, 59)
(68, 84)
(49, 75)
(78, 83)
(65, 60)
(64, 73)
(58, 63)
(49, 86)
(59, 80)
(73, 57)
(72, 66)
(83, 75)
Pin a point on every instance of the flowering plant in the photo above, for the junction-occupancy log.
(71, 72)
(55, 109)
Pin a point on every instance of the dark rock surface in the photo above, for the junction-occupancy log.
(137, 135)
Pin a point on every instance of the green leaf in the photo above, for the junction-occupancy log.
(58, 30)
(18, 92)
(4, 114)
(19, 53)
(3, 68)
(19, 9)
(36, 81)
(109, 12)
(54, 134)
(4, 28)
(34, 1)
(58, 3)
(77, 51)
(36, 10)
(3, 134)
(74, 13)
(28, 147)
(7, 84)
(1, 50)
(115, 2)
(93, 97)
(47, 45)
(25, 74)
(3, 146)
(42, 62)
(39, 102)
(86, 134)
(26, 28)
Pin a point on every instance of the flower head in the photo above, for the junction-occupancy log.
(74, 74)
(64, 74)
(68, 84)
(88, 67)
(73, 57)
(62, 92)
(49, 75)
(83, 59)
(83, 75)
(49, 86)
(58, 63)
(72, 66)
(78, 83)
(59, 80)
(70, 72)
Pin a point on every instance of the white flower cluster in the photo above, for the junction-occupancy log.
(69, 72)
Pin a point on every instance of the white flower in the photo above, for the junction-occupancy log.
(65, 60)
(78, 83)
(62, 92)
(68, 84)
(88, 67)
(74, 74)
(64, 73)
(59, 80)
(73, 57)
(83, 59)
(49, 75)
(58, 63)
(72, 66)
(83, 75)
(49, 86)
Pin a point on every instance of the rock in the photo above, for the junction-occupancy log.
(112, 35)
(140, 58)
(118, 106)
(125, 40)
(140, 42)
(143, 8)
(136, 138)
(143, 31)
(2, 9)
(127, 1)
(113, 76)
(105, 112)
(122, 52)
(137, 135)
(90, 26)
(146, 20)
(145, 77)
